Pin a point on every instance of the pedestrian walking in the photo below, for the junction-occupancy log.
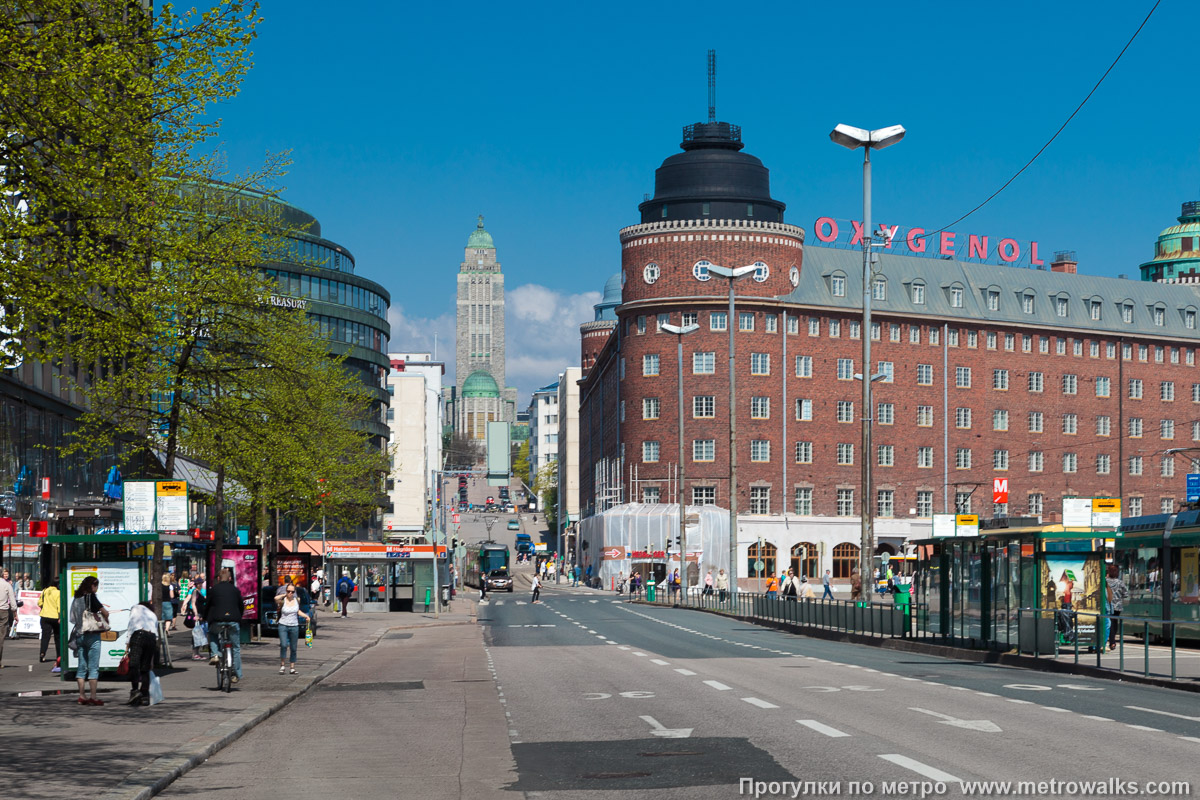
(168, 602)
(88, 619)
(772, 587)
(537, 588)
(345, 588)
(806, 590)
(194, 609)
(290, 614)
(26, 582)
(575, 575)
(1117, 593)
(708, 582)
(49, 607)
(674, 585)
(828, 595)
(789, 586)
(483, 586)
(142, 652)
(589, 576)
(8, 611)
(722, 585)
(855, 585)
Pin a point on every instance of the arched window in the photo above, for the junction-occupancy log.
(768, 559)
(845, 559)
(805, 558)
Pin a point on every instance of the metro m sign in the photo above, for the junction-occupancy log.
(999, 490)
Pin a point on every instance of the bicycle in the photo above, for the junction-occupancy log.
(225, 670)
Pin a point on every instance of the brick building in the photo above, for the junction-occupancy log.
(1066, 384)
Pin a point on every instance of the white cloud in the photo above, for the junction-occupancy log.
(417, 334)
(542, 327)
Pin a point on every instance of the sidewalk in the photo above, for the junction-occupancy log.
(57, 747)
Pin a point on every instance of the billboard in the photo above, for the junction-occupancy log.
(245, 563)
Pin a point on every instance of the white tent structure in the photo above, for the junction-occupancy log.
(639, 536)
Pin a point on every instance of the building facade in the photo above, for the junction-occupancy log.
(568, 459)
(1065, 384)
(415, 425)
(1177, 250)
(479, 340)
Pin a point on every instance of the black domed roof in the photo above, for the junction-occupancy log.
(712, 179)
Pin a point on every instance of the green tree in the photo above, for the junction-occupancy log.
(520, 462)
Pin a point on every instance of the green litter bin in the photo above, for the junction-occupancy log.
(902, 597)
(650, 591)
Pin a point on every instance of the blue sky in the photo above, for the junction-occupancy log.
(406, 120)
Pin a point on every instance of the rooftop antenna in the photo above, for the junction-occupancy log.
(712, 85)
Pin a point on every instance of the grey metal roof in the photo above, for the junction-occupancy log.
(1012, 283)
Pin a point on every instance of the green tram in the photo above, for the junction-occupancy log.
(1158, 556)
(483, 558)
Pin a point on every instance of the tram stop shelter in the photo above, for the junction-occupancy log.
(390, 577)
(982, 590)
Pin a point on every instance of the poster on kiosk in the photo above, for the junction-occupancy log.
(244, 561)
(119, 591)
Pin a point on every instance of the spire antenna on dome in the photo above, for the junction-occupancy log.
(480, 225)
(712, 85)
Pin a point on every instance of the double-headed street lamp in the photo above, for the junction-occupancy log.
(854, 138)
(680, 331)
(732, 273)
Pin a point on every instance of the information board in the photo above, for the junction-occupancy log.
(172, 505)
(119, 591)
(139, 505)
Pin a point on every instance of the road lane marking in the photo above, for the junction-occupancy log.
(499, 602)
(754, 701)
(660, 662)
(1098, 719)
(684, 671)
(833, 733)
(590, 630)
(640, 655)
(984, 725)
(1014, 700)
(623, 647)
(1189, 738)
(720, 687)
(666, 733)
(1059, 710)
(933, 773)
(1144, 728)
(1164, 713)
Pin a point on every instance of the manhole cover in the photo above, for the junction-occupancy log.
(394, 686)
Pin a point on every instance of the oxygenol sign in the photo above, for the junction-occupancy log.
(919, 242)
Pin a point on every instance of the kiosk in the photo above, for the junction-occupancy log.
(389, 577)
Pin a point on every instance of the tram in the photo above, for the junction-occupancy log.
(1159, 559)
(483, 558)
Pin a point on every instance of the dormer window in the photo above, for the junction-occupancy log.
(993, 300)
(1061, 306)
(879, 289)
(918, 294)
(1189, 319)
(1127, 313)
(1160, 316)
(1094, 309)
(1027, 303)
(956, 297)
(837, 285)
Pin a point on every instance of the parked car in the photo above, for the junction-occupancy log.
(513, 525)
(499, 581)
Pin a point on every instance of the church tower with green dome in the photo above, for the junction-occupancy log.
(481, 395)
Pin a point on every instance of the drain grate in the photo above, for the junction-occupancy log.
(393, 686)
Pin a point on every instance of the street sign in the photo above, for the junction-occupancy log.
(453, 518)
(999, 490)
(139, 502)
(966, 525)
(1193, 487)
(1106, 512)
(612, 553)
(758, 566)
(1077, 512)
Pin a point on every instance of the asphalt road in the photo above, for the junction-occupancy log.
(592, 698)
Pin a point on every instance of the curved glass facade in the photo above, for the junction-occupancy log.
(328, 290)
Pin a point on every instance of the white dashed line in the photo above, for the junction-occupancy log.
(720, 687)
(754, 701)
(1059, 710)
(684, 671)
(927, 771)
(1144, 728)
(660, 662)
(1091, 716)
(641, 655)
(623, 647)
(1012, 700)
(833, 733)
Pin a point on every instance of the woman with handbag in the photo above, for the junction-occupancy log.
(194, 608)
(89, 619)
(142, 653)
(168, 601)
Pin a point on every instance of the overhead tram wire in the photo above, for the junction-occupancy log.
(1061, 128)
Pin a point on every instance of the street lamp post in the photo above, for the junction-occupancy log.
(680, 331)
(732, 273)
(854, 138)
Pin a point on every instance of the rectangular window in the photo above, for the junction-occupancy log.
(845, 369)
(704, 495)
(962, 502)
(1103, 426)
(1010, 342)
(771, 323)
(888, 370)
(885, 414)
(1135, 389)
(1070, 424)
(845, 454)
(845, 411)
(924, 416)
(650, 364)
(1070, 384)
(1000, 459)
(845, 502)
(962, 377)
(1034, 504)
(690, 318)
(1135, 465)
(660, 320)
(650, 407)
(918, 294)
(956, 297)
(650, 452)
(835, 328)
(875, 331)
(1166, 428)
(1110, 350)
(885, 455)
(717, 320)
(1135, 427)
(962, 418)
(1094, 349)
(935, 336)
(1166, 467)
(1103, 387)
(760, 450)
(1166, 505)
(1060, 306)
(803, 504)
(925, 374)
(704, 406)
(704, 449)
(1035, 422)
(1000, 420)
(760, 363)
(745, 320)
(914, 334)
(793, 325)
(837, 285)
(1000, 380)
(1043, 344)
(1196, 392)
(641, 324)
(952, 337)
(804, 410)
(704, 363)
(803, 452)
(1166, 391)
(1037, 461)
(1027, 303)
(885, 503)
(924, 503)
(925, 457)
(855, 329)
(1036, 382)
(1094, 309)
(1196, 433)
(962, 458)
(803, 366)
(972, 339)
(1060, 346)
(894, 332)
(760, 408)
(814, 326)
(650, 495)
(993, 300)
(1103, 464)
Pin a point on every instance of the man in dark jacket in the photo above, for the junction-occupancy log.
(225, 613)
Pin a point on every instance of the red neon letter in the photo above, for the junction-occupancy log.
(858, 233)
(947, 243)
(826, 229)
(888, 234)
(1033, 255)
(915, 241)
(977, 248)
(1009, 250)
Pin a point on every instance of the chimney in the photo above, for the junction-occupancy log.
(1064, 261)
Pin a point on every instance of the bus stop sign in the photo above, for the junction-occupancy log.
(1193, 487)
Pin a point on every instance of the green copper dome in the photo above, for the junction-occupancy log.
(480, 384)
(479, 238)
(1177, 251)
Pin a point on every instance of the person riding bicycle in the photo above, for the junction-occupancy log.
(224, 613)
